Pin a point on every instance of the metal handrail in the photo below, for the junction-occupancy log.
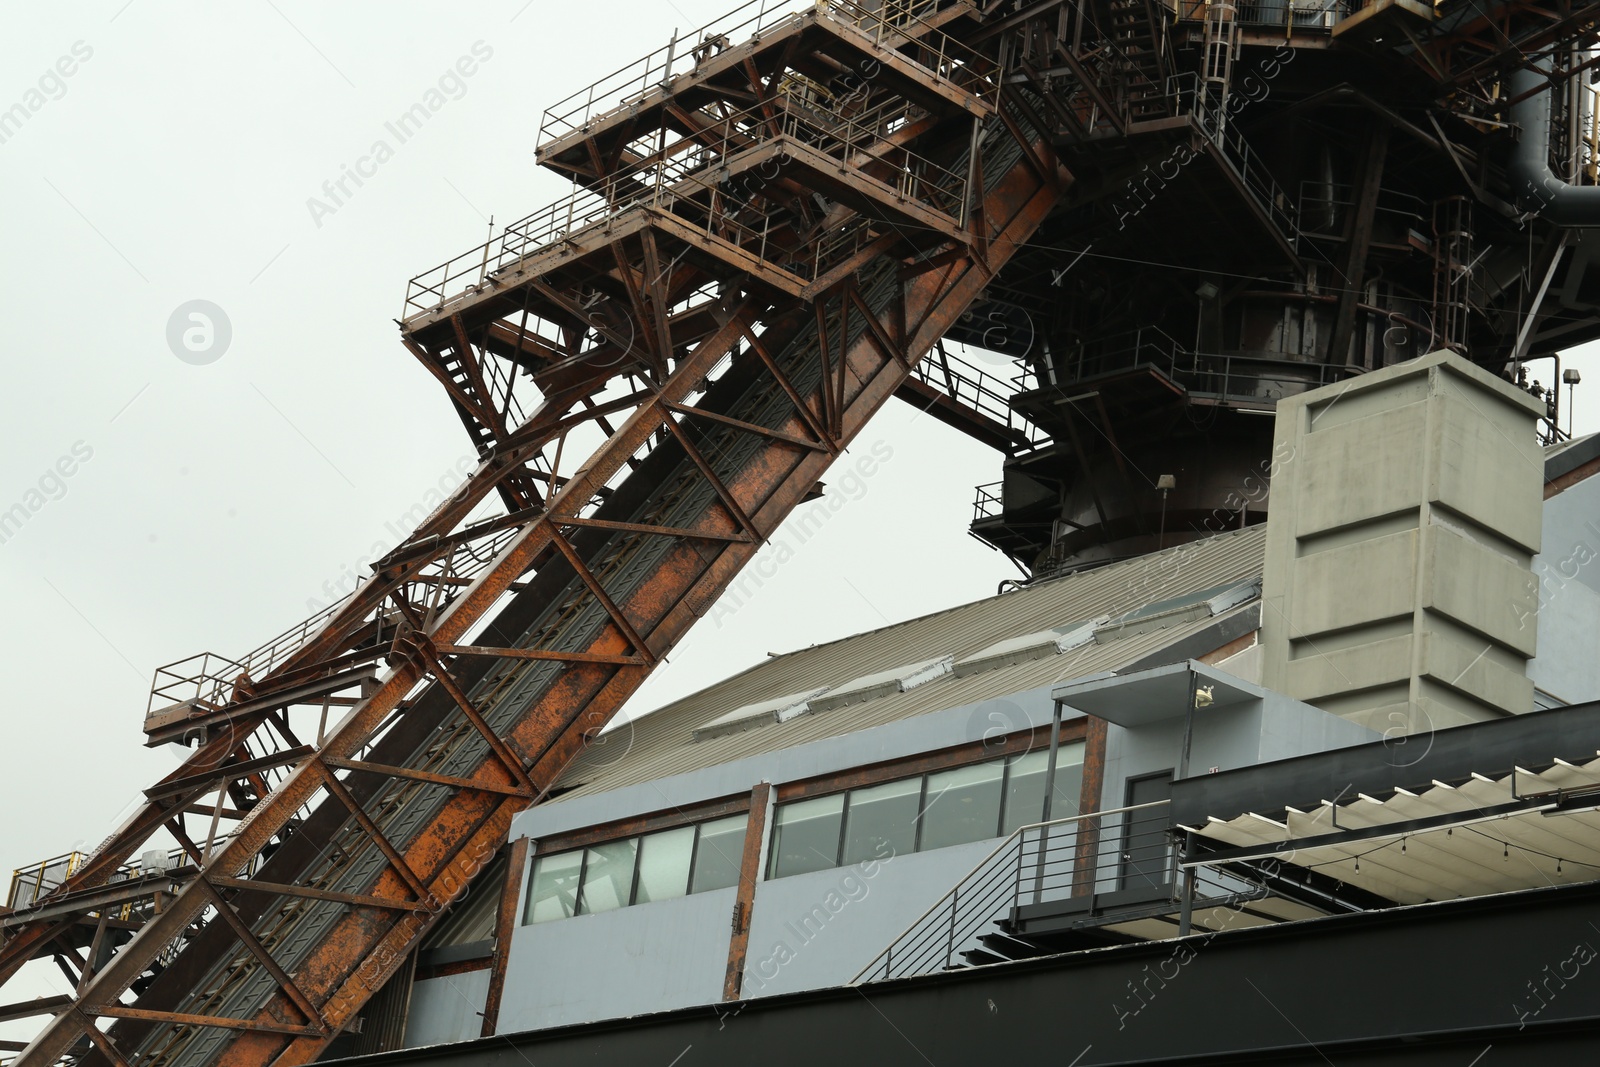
(45, 876)
(1203, 373)
(989, 394)
(990, 502)
(1210, 115)
(691, 185)
(1012, 841)
(1300, 14)
(627, 87)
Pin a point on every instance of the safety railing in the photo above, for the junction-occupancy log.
(701, 185)
(972, 386)
(891, 23)
(1285, 14)
(1148, 345)
(34, 881)
(1209, 115)
(1076, 857)
(989, 502)
(209, 679)
(1228, 377)
(31, 884)
(1246, 379)
(1104, 867)
(1321, 206)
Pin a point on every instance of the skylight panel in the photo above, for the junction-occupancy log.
(760, 713)
(883, 683)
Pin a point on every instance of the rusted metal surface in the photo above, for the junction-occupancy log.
(1090, 800)
(506, 922)
(755, 837)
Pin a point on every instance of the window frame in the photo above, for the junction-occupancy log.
(635, 829)
(923, 767)
(1016, 743)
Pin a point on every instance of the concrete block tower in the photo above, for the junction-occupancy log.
(1405, 515)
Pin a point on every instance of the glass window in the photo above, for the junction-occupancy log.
(553, 890)
(719, 853)
(1025, 776)
(607, 876)
(664, 864)
(806, 837)
(963, 805)
(1069, 781)
(1025, 789)
(882, 821)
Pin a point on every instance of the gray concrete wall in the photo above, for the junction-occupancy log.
(673, 953)
(815, 930)
(1273, 727)
(645, 958)
(1405, 514)
(447, 1009)
(1568, 574)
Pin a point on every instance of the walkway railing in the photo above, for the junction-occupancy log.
(211, 680)
(1124, 848)
(1210, 115)
(31, 884)
(893, 23)
(973, 387)
(701, 184)
(1235, 377)
(1097, 866)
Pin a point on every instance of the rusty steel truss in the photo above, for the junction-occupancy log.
(775, 223)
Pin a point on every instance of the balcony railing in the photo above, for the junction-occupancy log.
(1117, 859)
(973, 387)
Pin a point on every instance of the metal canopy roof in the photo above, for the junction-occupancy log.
(1480, 813)
(1155, 694)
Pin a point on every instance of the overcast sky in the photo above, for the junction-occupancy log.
(177, 152)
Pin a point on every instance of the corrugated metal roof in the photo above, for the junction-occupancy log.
(662, 743)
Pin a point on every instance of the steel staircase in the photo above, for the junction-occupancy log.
(1137, 33)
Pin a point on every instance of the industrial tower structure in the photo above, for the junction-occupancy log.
(1169, 216)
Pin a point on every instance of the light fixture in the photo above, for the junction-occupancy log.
(1207, 291)
(1570, 378)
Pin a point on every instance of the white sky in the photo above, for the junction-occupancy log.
(175, 164)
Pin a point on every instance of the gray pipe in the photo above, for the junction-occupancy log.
(1533, 184)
